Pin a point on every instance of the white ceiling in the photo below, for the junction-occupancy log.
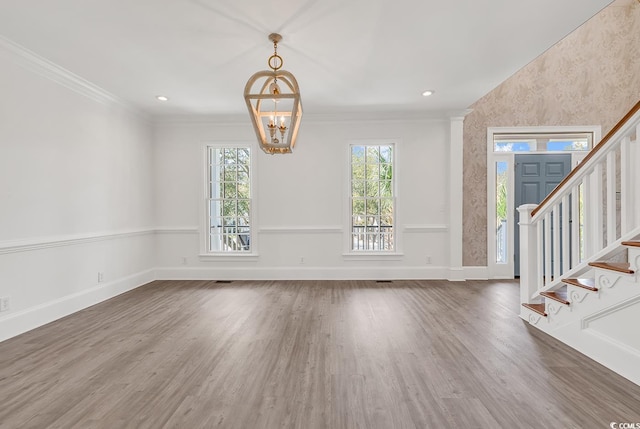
(348, 55)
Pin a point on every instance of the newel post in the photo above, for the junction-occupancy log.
(528, 254)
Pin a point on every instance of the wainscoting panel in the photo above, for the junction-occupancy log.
(52, 278)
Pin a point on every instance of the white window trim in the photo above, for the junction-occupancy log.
(206, 255)
(505, 271)
(368, 255)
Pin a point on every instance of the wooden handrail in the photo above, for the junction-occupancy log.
(590, 155)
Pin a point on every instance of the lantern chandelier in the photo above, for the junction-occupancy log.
(273, 100)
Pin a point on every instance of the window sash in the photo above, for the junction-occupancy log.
(229, 200)
(372, 198)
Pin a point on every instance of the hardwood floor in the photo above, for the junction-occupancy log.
(306, 354)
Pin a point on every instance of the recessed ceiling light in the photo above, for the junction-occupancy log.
(162, 98)
(428, 92)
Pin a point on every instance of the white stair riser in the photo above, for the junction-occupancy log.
(634, 258)
(533, 318)
(557, 311)
(612, 287)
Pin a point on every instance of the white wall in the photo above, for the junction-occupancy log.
(89, 186)
(75, 193)
(301, 200)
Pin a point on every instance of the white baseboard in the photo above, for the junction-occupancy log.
(321, 273)
(20, 322)
(476, 273)
(618, 357)
(456, 275)
(298, 273)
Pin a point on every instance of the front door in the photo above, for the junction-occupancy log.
(536, 175)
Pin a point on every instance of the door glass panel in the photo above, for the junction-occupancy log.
(570, 145)
(513, 146)
(501, 212)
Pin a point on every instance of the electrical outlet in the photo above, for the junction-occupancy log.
(428, 260)
(100, 276)
(4, 304)
(302, 260)
(184, 260)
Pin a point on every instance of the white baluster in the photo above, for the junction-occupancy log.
(593, 204)
(556, 242)
(636, 173)
(566, 234)
(626, 176)
(539, 252)
(586, 219)
(575, 226)
(612, 219)
(547, 248)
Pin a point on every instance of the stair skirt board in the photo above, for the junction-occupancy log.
(597, 316)
(607, 336)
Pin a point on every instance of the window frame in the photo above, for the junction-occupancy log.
(371, 254)
(205, 236)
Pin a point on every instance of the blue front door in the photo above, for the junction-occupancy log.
(536, 176)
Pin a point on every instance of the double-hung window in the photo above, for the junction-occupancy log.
(229, 221)
(372, 198)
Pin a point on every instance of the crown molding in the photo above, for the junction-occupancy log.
(312, 118)
(458, 114)
(202, 119)
(55, 73)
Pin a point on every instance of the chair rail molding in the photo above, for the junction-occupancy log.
(31, 244)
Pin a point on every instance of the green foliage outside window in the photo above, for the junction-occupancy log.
(501, 197)
(372, 185)
(230, 199)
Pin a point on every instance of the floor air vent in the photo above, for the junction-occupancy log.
(224, 281)
(384, 281)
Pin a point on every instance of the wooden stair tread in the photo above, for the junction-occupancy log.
(557, 295)
(589, 284)
(621, 267)
(631, 243)
(538, 308)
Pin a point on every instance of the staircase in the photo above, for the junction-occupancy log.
(580, 254)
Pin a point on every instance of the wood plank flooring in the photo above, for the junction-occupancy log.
(306, 354)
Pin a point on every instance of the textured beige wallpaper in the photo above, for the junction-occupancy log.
(591, 77)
